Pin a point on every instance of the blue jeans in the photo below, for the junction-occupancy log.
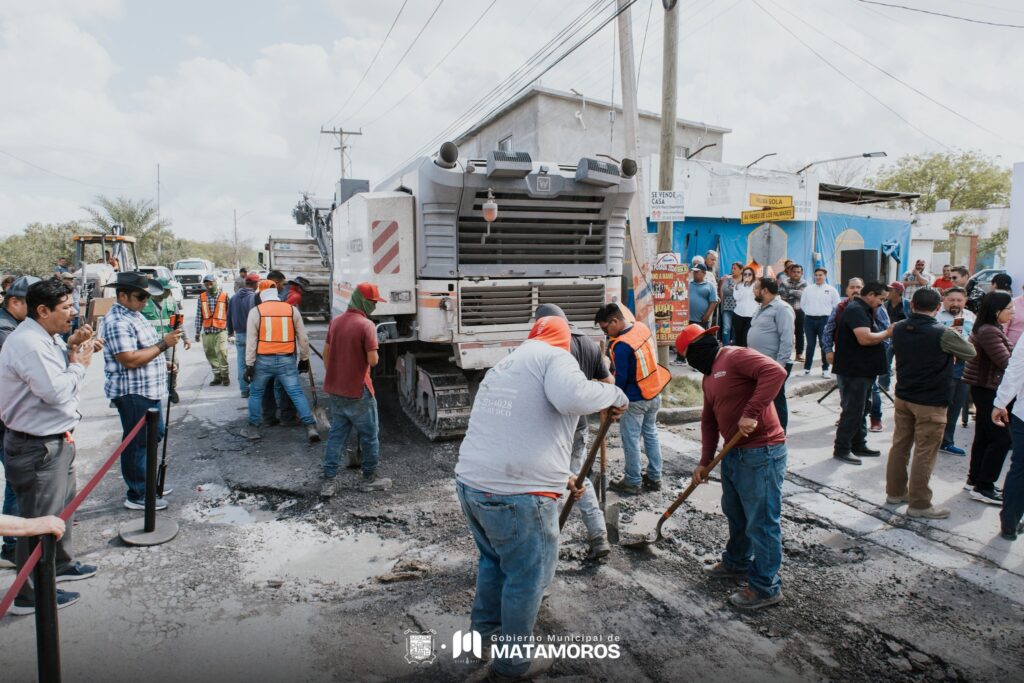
(243, 386)
(517, 537)
(641, 419)
(752, 502)
(957, 398)
(875, 407)
(347, 413)
(284, 371)
(726, 327)
(132, 408)
(10, 501)
(814, 328)
(1013, 485)
(588, 505)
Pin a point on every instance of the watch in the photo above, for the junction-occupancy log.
(162, 345)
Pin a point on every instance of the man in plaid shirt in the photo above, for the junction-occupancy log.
(136, 374)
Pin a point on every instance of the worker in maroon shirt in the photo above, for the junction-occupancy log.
(349, 352)
(740, 385)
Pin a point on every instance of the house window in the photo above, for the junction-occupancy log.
(505, 144)
(682, 152)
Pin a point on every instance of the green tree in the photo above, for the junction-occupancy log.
(139, 219)
(969, 180)
(36, 250)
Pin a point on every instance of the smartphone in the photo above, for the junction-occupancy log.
(959, 322)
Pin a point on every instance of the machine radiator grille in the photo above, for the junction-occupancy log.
(565, 230)
(514, 305)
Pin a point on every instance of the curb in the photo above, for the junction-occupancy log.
(675, 416)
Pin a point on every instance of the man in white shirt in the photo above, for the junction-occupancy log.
(955, 315)
(1010, 388)
(915, 279)
(817, 301)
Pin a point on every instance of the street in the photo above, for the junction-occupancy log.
(268, 582)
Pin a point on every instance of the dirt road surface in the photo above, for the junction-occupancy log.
(268, 582)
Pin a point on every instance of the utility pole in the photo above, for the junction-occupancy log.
(341, 133)
(159, 234)
(235, 244)
(643, 302)
(669, 96)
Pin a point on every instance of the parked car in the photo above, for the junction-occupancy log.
(979, 285)
(155, 272)
(190, 273)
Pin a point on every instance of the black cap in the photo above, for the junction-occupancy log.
(19, 288)
(139, 281)
(300, 281)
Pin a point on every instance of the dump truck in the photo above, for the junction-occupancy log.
(296, 253)
(464, 252)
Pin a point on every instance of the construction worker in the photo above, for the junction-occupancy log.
(634, 359)
(349, 352)
(212, 326)
(296, 288)
(513, 467)
(239, 305)
(273, 331)
(160, 311)
(740, 386)
(588, 356)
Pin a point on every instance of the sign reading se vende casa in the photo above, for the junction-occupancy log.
(771, 201)
(787, 213)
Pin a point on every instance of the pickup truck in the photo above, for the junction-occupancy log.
(190, 273)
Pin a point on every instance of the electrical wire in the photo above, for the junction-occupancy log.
(64, 177)
(400, 59)
(885, 72)
(643, 45)
(839, 71)
(941, 14)
(373, 61)
(432, 69)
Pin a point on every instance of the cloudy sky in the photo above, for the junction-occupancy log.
(229, 96)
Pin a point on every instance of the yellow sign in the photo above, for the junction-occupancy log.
(767, 215)
(771, 201)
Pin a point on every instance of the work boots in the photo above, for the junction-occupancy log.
(372, 483)
(599, 547)
(312, 433)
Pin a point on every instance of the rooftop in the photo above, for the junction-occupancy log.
(861, 195)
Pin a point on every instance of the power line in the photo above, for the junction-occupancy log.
(940, 14)
(887, 73)
(64, 177)
(433, 68)
(846, 77)
(373, 61)
(643, 45)
(400, 59)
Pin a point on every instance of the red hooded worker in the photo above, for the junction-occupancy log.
(513, 467)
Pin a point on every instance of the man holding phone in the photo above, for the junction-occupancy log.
(136, 374)
(955, 316)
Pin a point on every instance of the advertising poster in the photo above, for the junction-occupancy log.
(671, 301)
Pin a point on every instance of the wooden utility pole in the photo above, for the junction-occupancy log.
(669, 93)
(341, 133)
(643, 302)
(160, 232)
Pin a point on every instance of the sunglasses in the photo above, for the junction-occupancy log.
(140, 296)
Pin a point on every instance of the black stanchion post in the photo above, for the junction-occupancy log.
(152, 445)
(44, 578)
(151, 531)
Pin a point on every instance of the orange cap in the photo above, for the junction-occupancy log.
(265, 284)
(552, 330)
(370, 292)
(690, 334)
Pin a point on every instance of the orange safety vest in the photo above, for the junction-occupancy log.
(219, 318)
(277, 329)
(650, 377)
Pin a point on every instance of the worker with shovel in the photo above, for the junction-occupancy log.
(588, 356)
(740, 385)
(513, 467)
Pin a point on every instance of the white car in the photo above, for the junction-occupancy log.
(155, 272)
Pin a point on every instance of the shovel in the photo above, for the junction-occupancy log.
(319, 414)
(643, 543)
(588, 464)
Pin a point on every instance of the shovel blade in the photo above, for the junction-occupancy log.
(611, 522)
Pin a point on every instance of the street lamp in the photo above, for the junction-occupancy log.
(763, 156)
(865, 155)
(711, 144)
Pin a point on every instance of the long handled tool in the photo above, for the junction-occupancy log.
(318, 412)
(588, 464)
(161, 477)
(683, 496)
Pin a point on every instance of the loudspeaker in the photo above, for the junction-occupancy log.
(862, 263)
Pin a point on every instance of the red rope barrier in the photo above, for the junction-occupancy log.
(66, 514)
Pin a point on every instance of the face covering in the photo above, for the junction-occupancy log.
(361, 303)
(552, 330)
(700, 354)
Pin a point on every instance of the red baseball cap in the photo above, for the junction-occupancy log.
(690, 334)
(370, 292)
(252, 277)
(898, 286)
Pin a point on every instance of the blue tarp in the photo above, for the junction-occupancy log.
(743, 243)
(836, 232)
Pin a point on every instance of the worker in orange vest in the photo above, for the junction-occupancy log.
(274, 332)
(634, 356)
(212, 327)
